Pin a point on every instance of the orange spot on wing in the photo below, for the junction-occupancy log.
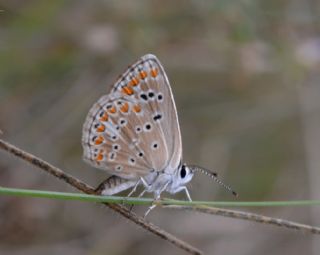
(125, 107)
(137, 108)
(127, 90)
(101, 128)
(112, 109)
(99, 157)
(134, 82)
(104, 117)
(99, 140)
(154, 72)
(143, 74)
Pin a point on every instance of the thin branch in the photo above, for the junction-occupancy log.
(81, 186)
(250, 217)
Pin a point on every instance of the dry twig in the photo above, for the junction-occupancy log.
(250, 217)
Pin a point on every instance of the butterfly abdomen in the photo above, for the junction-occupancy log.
(114, 185)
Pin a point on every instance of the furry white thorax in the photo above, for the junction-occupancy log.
(157, 182)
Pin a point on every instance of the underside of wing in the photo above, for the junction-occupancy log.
(134, 129)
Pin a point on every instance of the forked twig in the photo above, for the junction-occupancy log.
(81, 186)
(250, 217)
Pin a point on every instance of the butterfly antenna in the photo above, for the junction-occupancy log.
(212, 175)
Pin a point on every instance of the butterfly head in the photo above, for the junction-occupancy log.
(184, 174)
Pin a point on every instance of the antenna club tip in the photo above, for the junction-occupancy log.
(235, 194)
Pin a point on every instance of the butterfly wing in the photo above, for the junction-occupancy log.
(135, 128)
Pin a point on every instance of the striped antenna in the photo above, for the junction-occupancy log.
(212, 175)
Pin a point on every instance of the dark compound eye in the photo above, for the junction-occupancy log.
(183, 172)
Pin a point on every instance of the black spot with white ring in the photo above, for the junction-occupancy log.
(132, 161)
(144, 97)
(147, 127)
(138, 129)
(112, 156)
(157, 117)
(116, 147)
(119, 168)
(122, 122)
(155, 145)
(140, 154)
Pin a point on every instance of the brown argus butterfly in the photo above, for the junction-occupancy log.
(133, 133)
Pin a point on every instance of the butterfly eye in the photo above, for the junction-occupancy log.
(183, 172)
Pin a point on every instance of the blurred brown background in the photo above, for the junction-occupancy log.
(246, 80)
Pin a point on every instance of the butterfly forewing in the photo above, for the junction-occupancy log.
(135, 128)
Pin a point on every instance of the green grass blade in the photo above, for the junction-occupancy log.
(148, 201)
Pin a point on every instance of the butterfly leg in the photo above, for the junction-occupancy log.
(156, 197)
(149, 210)
(185, 190)
(145, 184)
(142, 193)
(132, 191)
(134, 188)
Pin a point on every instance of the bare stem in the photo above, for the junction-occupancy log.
(81, 186)
(250, 217)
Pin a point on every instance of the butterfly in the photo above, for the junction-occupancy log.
(133, 133)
